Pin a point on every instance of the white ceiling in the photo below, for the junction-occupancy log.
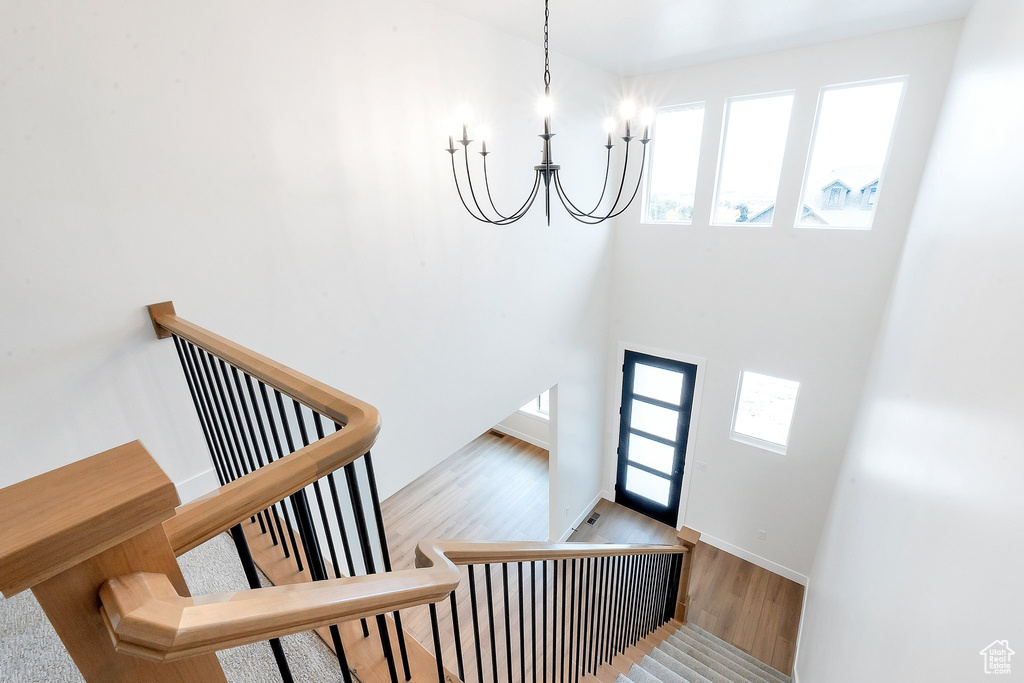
(640, 36)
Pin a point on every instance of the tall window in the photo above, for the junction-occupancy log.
(753, 147)
(674, 153)
(852, 138)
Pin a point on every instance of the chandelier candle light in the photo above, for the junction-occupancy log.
(547, 170)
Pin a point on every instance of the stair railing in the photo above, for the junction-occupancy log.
(108, 525)
(258, 418)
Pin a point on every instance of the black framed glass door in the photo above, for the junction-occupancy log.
(654, 425)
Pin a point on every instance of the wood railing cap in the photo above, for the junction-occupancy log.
(688, 537)
(58, 519)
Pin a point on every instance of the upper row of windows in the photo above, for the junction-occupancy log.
(850, 147)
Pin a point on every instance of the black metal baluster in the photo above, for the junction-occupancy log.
(605, 610)
(318, 494)
(592, 621)
(249, 567)
(629, 591)
(544, 624)
(595, 648)
(581, 589)
(490, 619)
(522, 637)
(214, 455)
(358, 511)
(533, 618)
(207, 394)
(270, 457)
(437, 643)
(508, 627)
(458, 635)
(345, 547)
(636, 593)
(561, 658)
(581, 645)
(280, 454)
(236, 427)
(648, 592)
(620, 621)
(221, 409)
(572, 612)
(476, 624)
(246, 409)
(386, 557)
(674, 587)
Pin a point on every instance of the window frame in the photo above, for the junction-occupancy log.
(537, 413)
(764, 444)
(649, 166)
(723, 139)
(905, 79)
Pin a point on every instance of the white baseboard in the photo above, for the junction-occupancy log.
(583, 515)
(197, 485)
(520, 435)
(756, 559)
(800, 632)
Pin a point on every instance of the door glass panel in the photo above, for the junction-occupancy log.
(654, 419)
(664, 385)
(653, 454)
(647, 485)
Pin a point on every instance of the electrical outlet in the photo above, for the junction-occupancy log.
(762, 534)
(702, 466)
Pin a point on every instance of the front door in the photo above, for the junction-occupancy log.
(657, 398)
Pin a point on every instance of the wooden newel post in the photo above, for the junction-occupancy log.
(688, 538)
(64, 533)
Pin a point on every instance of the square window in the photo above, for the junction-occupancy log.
(852, 138)
(764, 411)
(753, 148)
(674, 154)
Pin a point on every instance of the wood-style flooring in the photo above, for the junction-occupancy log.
(493, 489)
(752, 608)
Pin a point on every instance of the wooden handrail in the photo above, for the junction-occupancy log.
(148, 618)
(201, 520)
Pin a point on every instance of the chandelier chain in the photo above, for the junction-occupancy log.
(547, 63)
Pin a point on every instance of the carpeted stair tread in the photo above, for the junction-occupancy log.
(660, 671)
(677, 667)
(716, 659)
(697, 665)
(638, 674)
(622, 679)
(773, 674)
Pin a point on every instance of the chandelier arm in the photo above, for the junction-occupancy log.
(523, 210)
(472, 193)
(604, 190)
(614, 214)
(487, 184)
(622, 184)
(458, 188)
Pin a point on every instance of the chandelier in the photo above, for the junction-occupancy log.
(547, 172)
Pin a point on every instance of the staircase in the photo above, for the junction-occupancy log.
(684, 653)
(98, 542)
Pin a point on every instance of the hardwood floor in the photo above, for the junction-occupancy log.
(754, 609)
(493, 489)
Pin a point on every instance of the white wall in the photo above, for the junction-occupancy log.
(527, 427)
(798, 304)
(920, 561)
(278, 171)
